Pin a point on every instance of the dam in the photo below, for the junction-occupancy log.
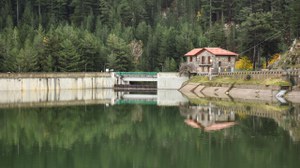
(28, 89)
(78, 81)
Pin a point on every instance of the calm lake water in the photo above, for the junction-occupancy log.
(137, 132)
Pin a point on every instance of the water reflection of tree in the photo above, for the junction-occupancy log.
(126, 135)
(65, 126)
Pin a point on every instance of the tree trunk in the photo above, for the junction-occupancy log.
(210, 13)
(254, 59)
(39, 9)
(17, 12)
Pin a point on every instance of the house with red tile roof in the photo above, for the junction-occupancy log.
(211, 59)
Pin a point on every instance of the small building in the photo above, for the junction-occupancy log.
(211, 59)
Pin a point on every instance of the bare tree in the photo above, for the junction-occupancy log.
(187, 69)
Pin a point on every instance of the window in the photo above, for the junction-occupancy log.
(191, 59)
(220, 63)
(209, 61)
(229, 59)
(203, 60)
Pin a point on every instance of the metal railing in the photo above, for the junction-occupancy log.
(137, 74)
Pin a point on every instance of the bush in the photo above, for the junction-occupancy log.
(248, 77)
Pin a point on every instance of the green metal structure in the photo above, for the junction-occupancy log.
(136, 73)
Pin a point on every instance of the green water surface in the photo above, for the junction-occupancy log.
(138, 136)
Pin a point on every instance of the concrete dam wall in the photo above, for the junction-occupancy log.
(170, 80)
(77, 81)
(55, 81)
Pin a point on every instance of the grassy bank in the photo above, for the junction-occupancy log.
(219, 81)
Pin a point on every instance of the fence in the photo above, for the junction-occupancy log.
(140, 74)
(258, 75)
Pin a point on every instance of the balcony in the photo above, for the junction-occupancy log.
(200, 64)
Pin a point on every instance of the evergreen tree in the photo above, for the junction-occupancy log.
(119, 57)
(104, 11)
(217, 36)
(125, 13)
(170, 65)
(260, 35)
(11, 49)
(2, 54)
(51, 50)
(69, 59)
(295, 18)
(89, 50)
(40, 41)
(26, 58)
(166, 28)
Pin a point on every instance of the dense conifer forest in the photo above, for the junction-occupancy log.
(138, 35)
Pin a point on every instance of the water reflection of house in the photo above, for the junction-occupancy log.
(207, 117)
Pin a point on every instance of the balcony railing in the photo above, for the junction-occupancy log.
(198, 63)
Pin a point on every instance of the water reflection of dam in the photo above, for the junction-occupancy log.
(52, 98)
(206, 112)
(88, 96)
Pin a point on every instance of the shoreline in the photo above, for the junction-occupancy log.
(240, 91)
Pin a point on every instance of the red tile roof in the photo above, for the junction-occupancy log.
(220, 51)
(194, 52)
(215, 51)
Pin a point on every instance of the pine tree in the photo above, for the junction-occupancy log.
(295, 18)
(125, 13)
(2, 54)
(69, 59)
(89, 50)
(119, 57)
(52, 47)
(169, 65)
(104, 11)
(26, 58)
(40, 42)
(260, 36)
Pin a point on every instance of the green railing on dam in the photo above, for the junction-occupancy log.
(136, 73)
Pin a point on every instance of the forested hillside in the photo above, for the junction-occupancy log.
(138, 35)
